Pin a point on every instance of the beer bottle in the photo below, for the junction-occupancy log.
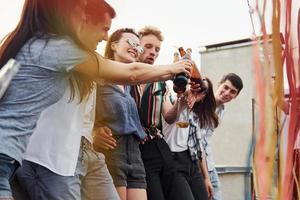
(181, 80)
(195, 73)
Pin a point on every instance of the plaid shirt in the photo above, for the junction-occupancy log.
(194, 139)
(197, 141)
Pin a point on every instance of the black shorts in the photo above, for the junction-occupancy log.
(125, 163)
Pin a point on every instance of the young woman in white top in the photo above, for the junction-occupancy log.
(185, 143)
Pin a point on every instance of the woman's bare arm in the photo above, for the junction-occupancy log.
(132, 73)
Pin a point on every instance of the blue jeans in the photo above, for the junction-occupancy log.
(8, 166)
(91, 180)
(214, 179)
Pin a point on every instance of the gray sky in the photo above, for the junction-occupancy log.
(188, 23)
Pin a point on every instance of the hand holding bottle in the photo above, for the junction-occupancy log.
(181, 80)
(182, 67)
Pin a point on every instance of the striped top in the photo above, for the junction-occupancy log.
(149, 103)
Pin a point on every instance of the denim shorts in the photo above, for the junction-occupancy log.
(8, 167)
(125, 163)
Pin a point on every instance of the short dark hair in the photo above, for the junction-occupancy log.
(234, 79)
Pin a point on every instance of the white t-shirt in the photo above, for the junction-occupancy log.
(55, 142)
(89, 116)
(177, 138)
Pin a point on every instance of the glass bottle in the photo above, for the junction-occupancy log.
(195, 74)
(181, 80)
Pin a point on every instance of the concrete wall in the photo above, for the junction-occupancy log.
(233, 136)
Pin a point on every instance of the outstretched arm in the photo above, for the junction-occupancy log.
(133, 73)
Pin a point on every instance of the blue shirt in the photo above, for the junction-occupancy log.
(117, 110)
(40, 82)
(207, 139)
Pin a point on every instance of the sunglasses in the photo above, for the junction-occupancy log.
(135, 45)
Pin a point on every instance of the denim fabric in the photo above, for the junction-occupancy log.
(215, 181)
(42, 184)
(118, 111)
(207, 135)
(125, 163)
(96, 181)
(7, 168)
(40, 82)
(91, 181)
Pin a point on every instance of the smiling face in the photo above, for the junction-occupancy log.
(125, 50)
(151, 45)
(225, 92)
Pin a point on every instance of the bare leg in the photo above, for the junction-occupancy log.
(136, 194)
(122, 191)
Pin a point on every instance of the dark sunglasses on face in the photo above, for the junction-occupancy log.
(135, 45)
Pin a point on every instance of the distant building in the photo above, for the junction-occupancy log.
(233, 136)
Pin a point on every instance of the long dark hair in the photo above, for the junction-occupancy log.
(115, 37)
(206, 109)
(51, 18)
(39, 18)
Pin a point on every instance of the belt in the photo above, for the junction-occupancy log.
(185, 152)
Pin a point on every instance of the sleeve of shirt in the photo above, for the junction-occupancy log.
(170, 94)
(220, 113)
(66, 54)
